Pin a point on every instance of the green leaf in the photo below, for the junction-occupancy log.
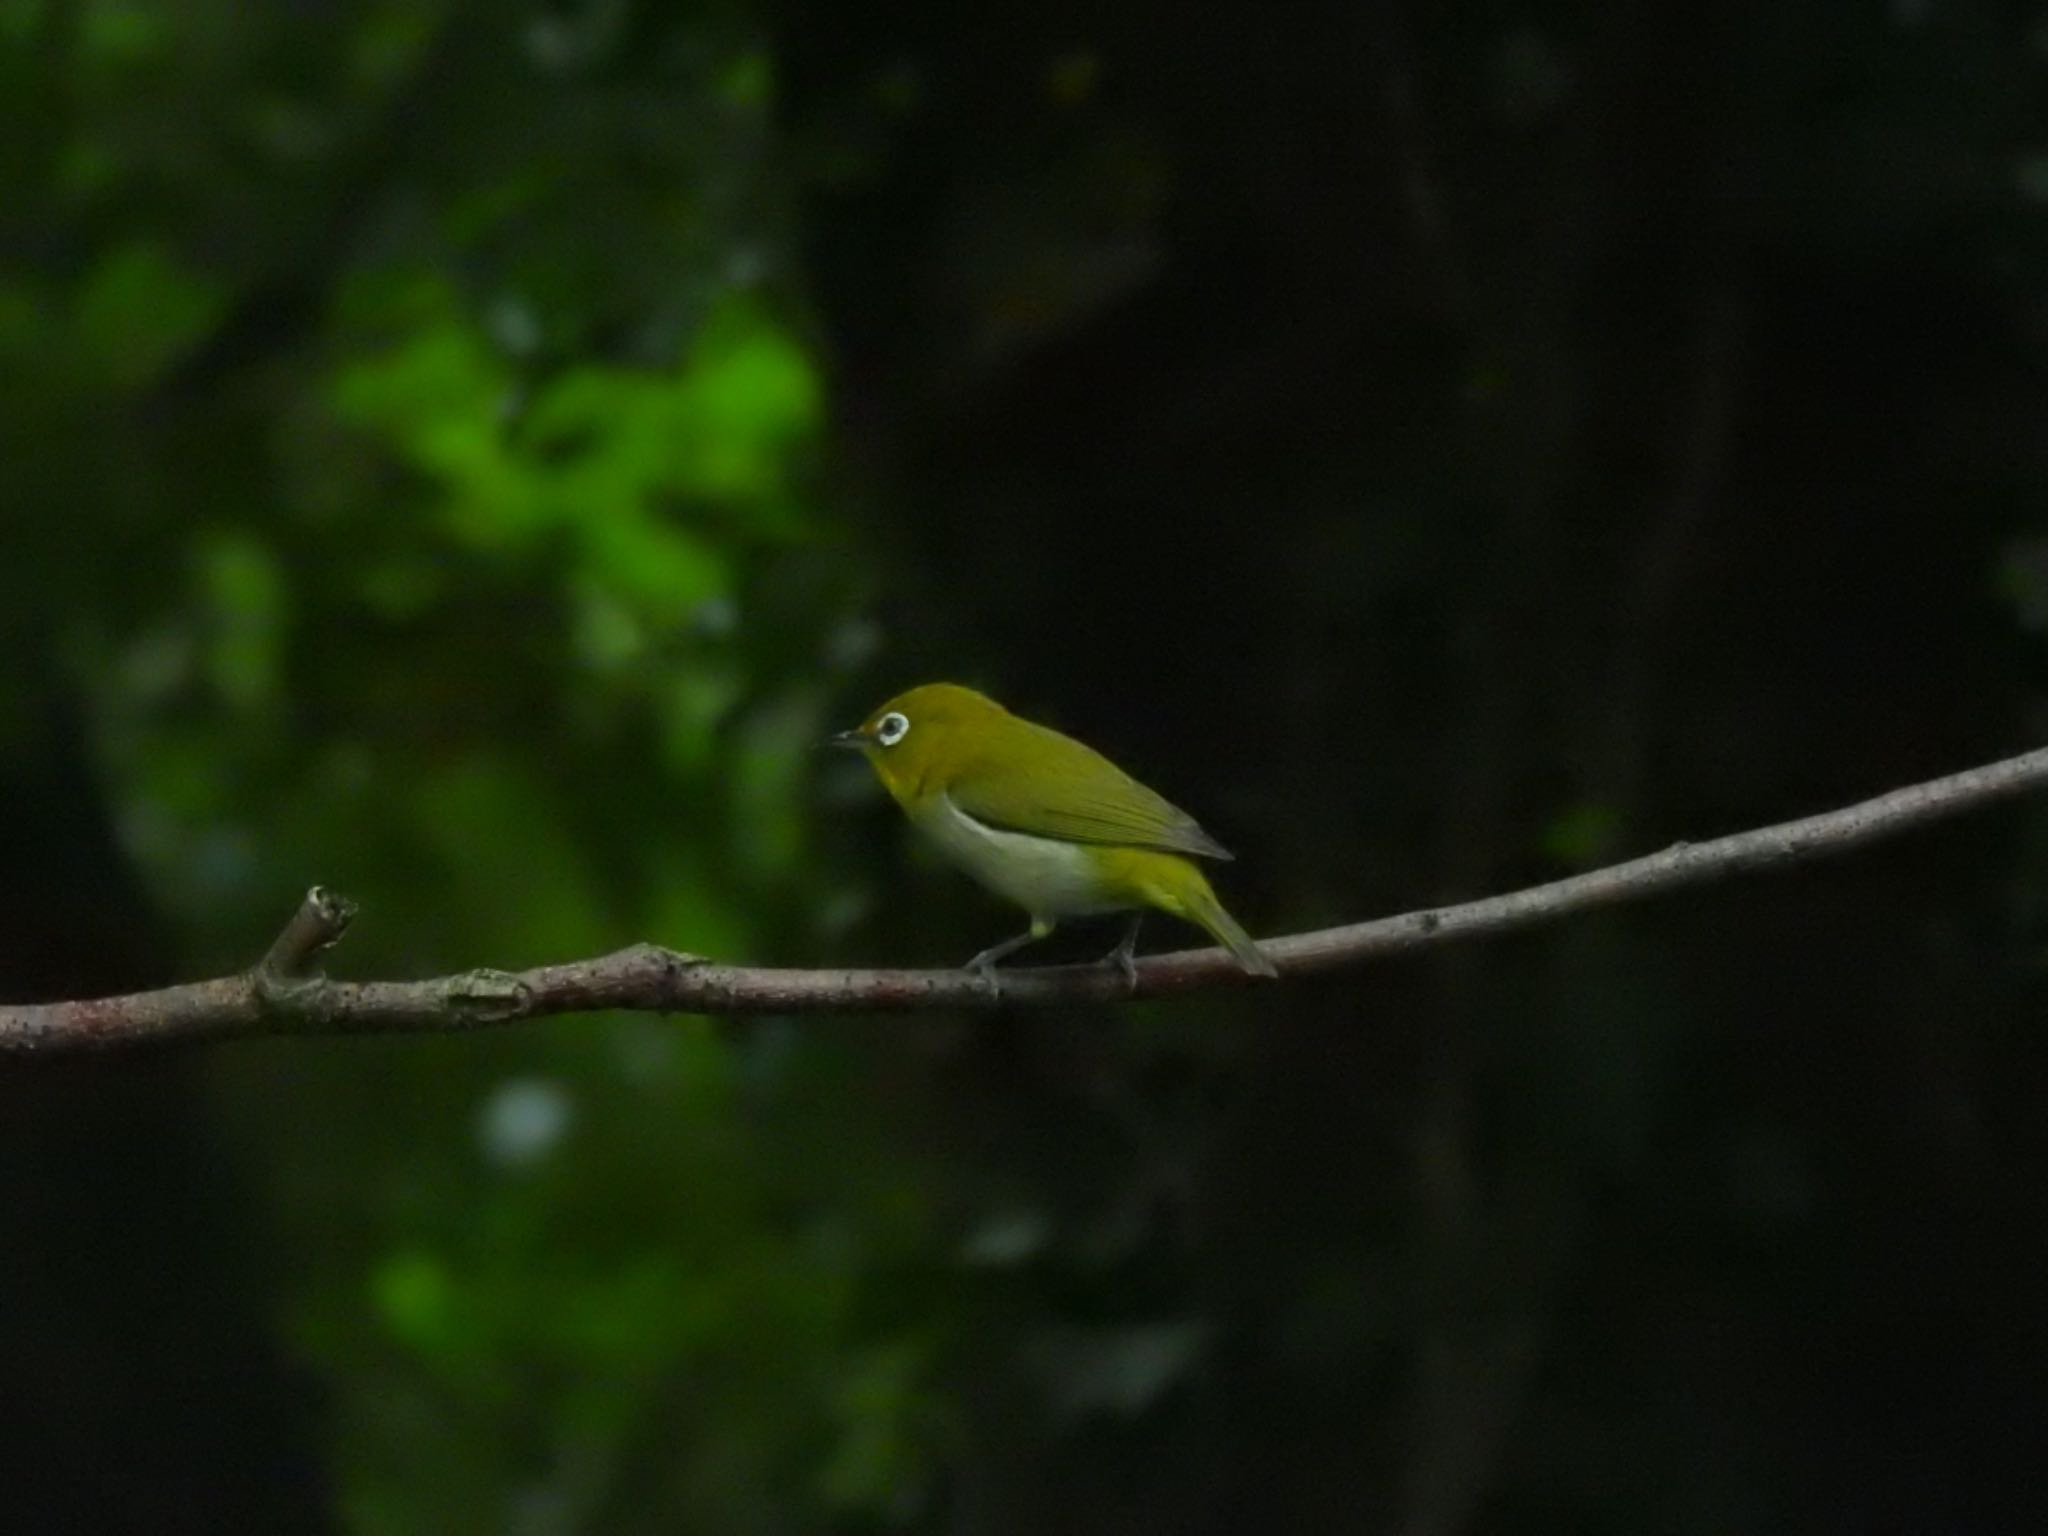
(138, 310)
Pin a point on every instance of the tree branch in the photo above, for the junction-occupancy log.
(282, 995)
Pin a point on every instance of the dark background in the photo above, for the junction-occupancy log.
(468, 455)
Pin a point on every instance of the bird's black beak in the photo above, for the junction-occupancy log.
(852, 739)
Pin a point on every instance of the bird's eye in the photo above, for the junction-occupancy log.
(891, 728)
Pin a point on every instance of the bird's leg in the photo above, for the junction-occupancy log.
(1124, 956)
(984, 964)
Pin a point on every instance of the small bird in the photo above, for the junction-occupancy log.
(1041, 819)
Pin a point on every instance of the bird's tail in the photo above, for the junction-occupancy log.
(1191, 898)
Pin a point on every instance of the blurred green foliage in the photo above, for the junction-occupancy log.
(427, 498)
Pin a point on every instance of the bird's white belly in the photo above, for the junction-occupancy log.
(1043, 875)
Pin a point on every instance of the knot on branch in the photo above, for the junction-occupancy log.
(667, 962)
(486, 996)
(322, 918)
(286, 980)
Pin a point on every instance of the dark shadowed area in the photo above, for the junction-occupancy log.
(470, 456)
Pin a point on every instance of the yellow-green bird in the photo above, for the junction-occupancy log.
(1041, 819)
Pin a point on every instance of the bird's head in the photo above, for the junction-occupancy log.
(915, 740)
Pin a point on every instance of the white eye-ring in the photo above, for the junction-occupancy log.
(891, 728)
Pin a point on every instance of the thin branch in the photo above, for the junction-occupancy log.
(658, 980)
(323, 917)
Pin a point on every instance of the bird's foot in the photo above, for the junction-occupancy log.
(984, 964)
(1125, 956)
(1122, 960)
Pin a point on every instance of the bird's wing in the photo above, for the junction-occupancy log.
(1073, 792)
